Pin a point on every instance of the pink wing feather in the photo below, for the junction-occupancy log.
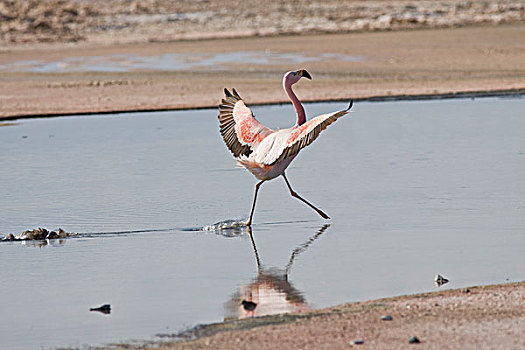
(239, 128)
(305, 134)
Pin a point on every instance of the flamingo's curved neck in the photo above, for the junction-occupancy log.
(301, 116)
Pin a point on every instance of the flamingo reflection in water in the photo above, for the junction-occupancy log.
(270, 292)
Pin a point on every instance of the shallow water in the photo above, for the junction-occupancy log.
(168, 62)
(413, 188)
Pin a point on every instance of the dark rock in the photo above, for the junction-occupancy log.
(248, 305)
(52, 235)
(9, 237)
(440, 280)
(37, 234)
(386, 318)
(357, 342)
(414, 340)
(105, 309)
(62, 233)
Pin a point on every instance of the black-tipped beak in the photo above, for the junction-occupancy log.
(304, 73)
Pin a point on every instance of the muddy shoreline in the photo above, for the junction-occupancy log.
(481, 317)
(473, 94)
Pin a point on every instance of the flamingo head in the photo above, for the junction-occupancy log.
(293, 77)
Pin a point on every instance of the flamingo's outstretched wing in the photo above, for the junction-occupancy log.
(305, 134)
(239, 128)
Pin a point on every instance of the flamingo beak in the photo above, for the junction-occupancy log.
(304, 73)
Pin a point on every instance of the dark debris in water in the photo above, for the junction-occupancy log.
(248, 305)
(38, 235)
(440, 280)
(105, 309)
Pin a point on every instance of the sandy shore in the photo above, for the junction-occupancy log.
(489, 317)
(354, 49)
(343, 66)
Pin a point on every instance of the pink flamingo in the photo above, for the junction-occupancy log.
(266, 153)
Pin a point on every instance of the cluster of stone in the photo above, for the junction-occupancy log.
(37, 234)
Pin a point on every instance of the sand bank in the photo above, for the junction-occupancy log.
(489, 317)
(343, 66)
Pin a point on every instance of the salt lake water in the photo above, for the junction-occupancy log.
(414, 188)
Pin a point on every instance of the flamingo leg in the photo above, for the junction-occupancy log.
(294, 194)
(249, 222)
(249, 229)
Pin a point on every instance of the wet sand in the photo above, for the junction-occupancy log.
(489, 317)
(399, 63)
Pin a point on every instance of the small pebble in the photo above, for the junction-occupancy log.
(9, 237)
(357, 342)
(413, 340)
(440, 280)
(386, 318)
(52, 235)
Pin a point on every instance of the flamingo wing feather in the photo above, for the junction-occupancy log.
(239, 128)
(305, 134)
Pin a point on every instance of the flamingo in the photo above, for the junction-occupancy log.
(264, 152)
